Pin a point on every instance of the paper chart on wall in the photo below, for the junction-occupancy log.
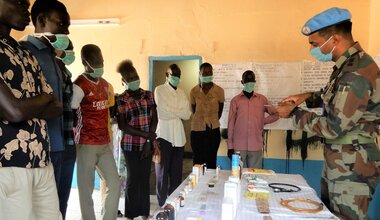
(315, 76)
(277, 81)
(274, 80)
(228, 76)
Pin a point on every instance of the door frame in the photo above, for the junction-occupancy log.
(167, 58)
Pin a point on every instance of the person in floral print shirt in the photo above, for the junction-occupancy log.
(27, 185)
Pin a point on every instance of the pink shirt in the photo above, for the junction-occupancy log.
(246, 121)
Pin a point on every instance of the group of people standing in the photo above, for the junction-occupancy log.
(48, 122)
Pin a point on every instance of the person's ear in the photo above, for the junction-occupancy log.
(336, 39)
(85, 65)
(41, 20)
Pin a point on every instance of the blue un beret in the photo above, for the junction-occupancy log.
(325, 19)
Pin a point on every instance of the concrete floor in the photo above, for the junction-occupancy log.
(73, 210)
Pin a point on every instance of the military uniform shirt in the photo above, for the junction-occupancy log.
(351, 99)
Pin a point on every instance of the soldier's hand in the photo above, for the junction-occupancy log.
(229, 153)
(285, 108)
(296, 99)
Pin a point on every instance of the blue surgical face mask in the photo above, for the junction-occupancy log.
(97, 72)
(134, 85)
(317, 53)
(174, 80)
(206, 79)
(249, 87)
(69, 57)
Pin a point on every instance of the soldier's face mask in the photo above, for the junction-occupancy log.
(317, 53)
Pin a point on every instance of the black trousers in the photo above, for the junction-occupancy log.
(205, 145)
(137, 200)
(168, 171)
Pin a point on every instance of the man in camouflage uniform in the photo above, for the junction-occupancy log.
(351, 117)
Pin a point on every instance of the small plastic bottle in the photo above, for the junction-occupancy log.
(218, 168)
(181, 200)
(189, 185)
(240, 164)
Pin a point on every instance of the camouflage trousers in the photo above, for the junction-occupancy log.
(350, 177)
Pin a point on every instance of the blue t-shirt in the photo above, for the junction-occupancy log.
(46, 58)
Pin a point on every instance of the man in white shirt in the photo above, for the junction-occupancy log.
(173, 106)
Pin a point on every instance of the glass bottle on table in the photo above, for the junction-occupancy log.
(161, 215)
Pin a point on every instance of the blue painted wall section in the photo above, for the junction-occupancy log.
(75, 184)
(311, 170)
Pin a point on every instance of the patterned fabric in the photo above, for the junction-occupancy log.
(351, 99)
(351, 102)
(351, 177)
(92, 114)
(68, 115)
(207, 107)
(138, 115)
(24, 144)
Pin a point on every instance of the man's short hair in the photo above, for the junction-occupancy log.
(89, 51)
(175, 69)
(45, 7)
(343, 29)
(204, 65)
(248, 72)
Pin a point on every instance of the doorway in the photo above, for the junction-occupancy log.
(189, 66)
